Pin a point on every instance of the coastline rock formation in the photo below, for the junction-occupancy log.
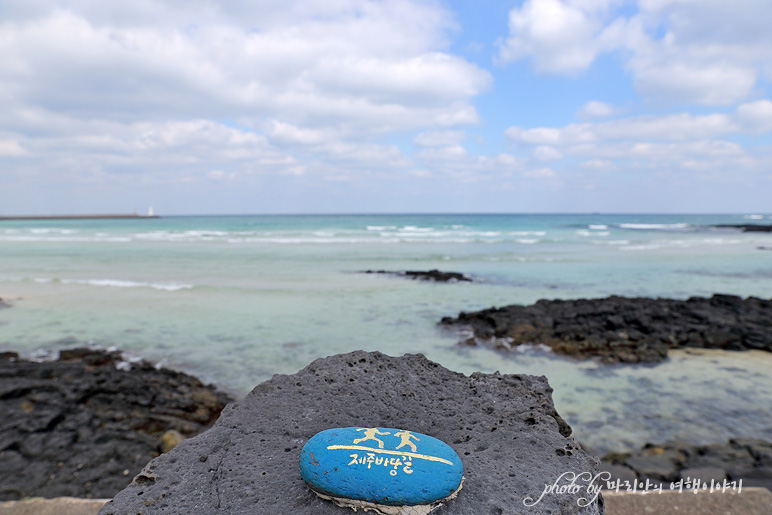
(740, 458)
(512, 442)
(746, 227)
(627, 330)
(84, 425)
(430, 275)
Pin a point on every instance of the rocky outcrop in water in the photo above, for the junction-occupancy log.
(620, 329)
(87, 423)
(430, 275)
(505, 429)
(740, 458)
(746, 227)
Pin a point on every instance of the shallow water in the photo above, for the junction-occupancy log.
(235, 300)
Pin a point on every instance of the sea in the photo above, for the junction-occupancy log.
(234, 300)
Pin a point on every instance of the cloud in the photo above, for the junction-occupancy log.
(206, 90)
(678, 142)
(440, 138)
(220, 175)
(755, 117)
(11, 148)
(707, 52)
(597, 109)
(540, 173)
(558, 36)
(366, 65)
(546, 153)
(748, 118)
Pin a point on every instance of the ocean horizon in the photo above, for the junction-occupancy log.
(234, 299)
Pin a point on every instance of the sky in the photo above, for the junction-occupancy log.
(359, 106)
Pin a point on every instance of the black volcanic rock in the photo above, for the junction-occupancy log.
(620, 329)
(504, 427)
(746, 227)
(84, 425)
(430, 275)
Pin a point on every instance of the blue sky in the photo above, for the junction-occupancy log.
(199, 107)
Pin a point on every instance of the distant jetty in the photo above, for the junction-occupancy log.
(76, 217)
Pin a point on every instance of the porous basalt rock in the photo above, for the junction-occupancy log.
(627, 330)
(85, 424)
(504, 428)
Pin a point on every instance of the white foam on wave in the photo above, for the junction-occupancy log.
(64, 239)
(754, 217)
(185, 236)
(655, 227)
(598, 227)
(686, 244)
(119, 283)
(413, 228)
(583, 232)
(611, 242)
(48, 234)
(48, 230)
(526, 233)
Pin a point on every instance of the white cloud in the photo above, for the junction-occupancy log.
(755, 117)
(546, 153)
(220, 175)
(210, 90)
(675, 142)
(440, 138)
(749, 118)
(558, 36)
(290, 134)
(708, 52)
(597, 109)
(598, 164)
(439, 153)
(11, 148)
(459, 165)
(355, 64)
(540, 173)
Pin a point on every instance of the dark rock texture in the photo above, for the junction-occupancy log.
(504, 427)
(740, 458)
(81, 427)
(627, 330)
(430, 275)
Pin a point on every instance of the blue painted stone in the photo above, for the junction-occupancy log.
(385, 466)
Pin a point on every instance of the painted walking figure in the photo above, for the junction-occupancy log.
(406, 436)
(370, 433)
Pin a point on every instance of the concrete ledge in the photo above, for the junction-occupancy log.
(57, 506)
(751, 501)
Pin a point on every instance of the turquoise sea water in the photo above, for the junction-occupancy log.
(236, 299)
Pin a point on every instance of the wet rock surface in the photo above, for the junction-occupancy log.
(504, 427)
(430, 275)
(84, 425)
(620, 329)
(740, 458)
